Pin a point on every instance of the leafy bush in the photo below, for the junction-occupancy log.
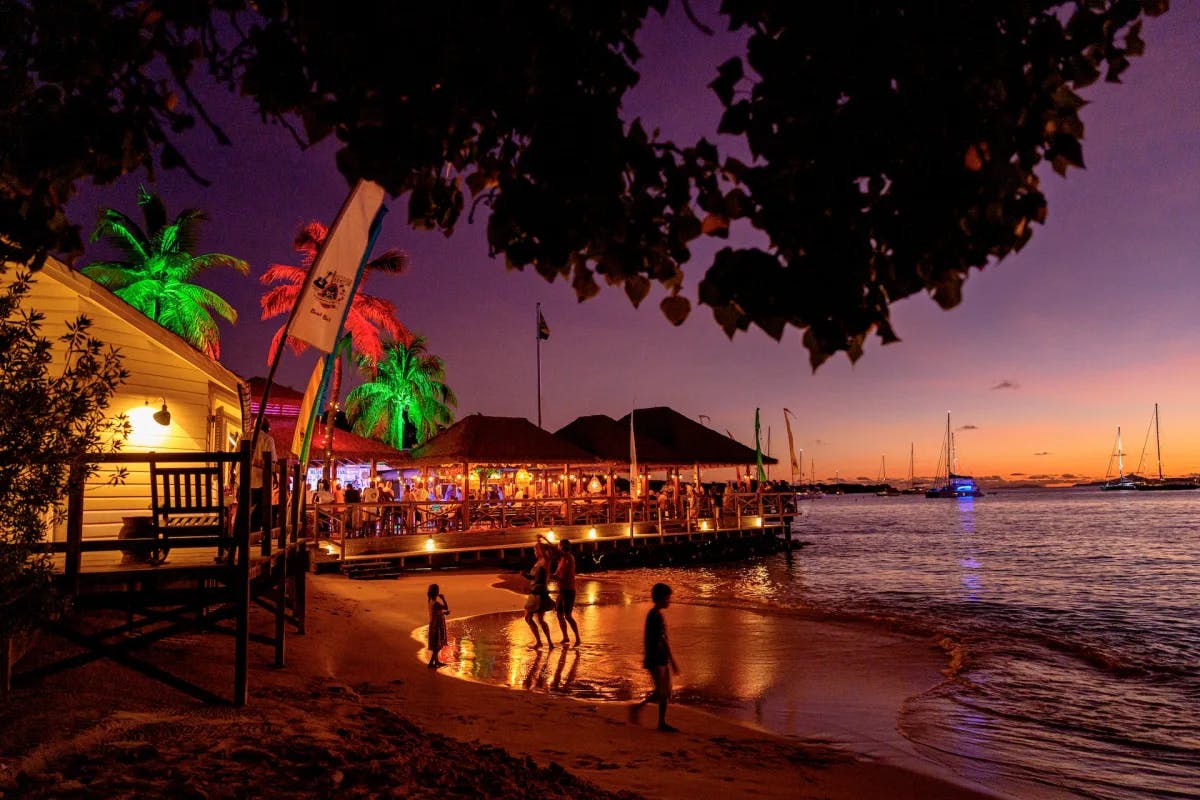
(53, 418)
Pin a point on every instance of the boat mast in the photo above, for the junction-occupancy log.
(949, 450)
(1157, 444)
(1120, 457)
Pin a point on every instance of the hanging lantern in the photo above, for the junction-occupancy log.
(594, 485)
(523, 477)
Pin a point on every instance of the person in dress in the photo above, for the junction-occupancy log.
(438, 609)
(658, 659)
(565, 605)
(538, 602)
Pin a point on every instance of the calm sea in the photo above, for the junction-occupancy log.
(1067, 625)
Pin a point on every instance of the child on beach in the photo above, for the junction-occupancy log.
(438, 609)
(658, 659)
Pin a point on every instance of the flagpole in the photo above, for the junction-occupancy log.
(537, 335)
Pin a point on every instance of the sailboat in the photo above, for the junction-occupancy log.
(955, 485)
(1122, 482)
(912, 484)
(1163, 484)
(810, 491)
(885, 491)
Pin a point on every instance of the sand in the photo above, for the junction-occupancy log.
(356, 713)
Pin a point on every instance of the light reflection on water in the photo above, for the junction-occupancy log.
(1067, 622)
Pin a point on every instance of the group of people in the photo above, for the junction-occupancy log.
(539, 601)
(559, 562)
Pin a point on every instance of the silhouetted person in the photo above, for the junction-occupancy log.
(438, 609)
(658, 659)
(565, 606)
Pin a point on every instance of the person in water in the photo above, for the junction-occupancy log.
(538, 602)
(658, 658)
(565, 606)
(438, 609)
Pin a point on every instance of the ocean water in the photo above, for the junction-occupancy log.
(1037, 638)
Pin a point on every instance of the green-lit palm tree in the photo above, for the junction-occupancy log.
(409, 386)
(158, 268)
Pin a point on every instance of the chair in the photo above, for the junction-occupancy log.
(188, 509)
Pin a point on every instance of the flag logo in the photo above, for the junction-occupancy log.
(331, 289)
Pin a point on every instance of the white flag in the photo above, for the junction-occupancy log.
(634, 483)
(331, 282)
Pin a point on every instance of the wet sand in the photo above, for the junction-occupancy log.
(356, 712)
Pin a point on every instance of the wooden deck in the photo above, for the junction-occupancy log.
(189, 589)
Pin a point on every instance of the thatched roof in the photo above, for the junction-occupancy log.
(693, 442)
(479, 439)
(608, 439)
(346, 445)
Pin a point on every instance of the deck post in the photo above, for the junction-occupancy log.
(74, 560)
(241, 581)
(267, 512)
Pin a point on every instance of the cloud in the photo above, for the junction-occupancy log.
(1043, 453)
(1070, 476)
(863, 478)
(1006, 384)
(820, 442)
(1017, 473)
(969, 428)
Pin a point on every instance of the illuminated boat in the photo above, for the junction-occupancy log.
(955, 485)
(1164, 484)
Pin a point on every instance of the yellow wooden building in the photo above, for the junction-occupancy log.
(201, 396)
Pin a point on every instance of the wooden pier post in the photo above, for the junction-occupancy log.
(241, 581)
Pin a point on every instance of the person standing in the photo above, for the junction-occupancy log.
(438, 609)
(659, 659)
(260, 493)
(538, 602)
(565, 605)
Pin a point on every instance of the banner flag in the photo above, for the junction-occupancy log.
(333, 278)
(796, 468)
(634, 487)
(310, 406)
(543, 331)
(760, 473)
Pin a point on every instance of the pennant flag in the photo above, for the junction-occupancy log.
(325, 297)
(543, 330)
(310, 405)
(634, 487)
(796, 468)
(760, 473)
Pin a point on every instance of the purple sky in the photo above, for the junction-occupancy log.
(1084, 330)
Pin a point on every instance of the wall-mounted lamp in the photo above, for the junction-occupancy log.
(162, 416)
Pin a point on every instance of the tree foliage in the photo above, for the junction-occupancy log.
(892, 146)
(157, 268)
(52, 419)
(406, 391)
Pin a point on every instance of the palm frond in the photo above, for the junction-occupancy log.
(279, 300)
(283, 273)
(198, 264)
(112, 275)
(393, 261)
(124, 234)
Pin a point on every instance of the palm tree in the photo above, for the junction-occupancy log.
(408, 387)
(156, 274)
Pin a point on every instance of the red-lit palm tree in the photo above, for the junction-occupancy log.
(369, 322)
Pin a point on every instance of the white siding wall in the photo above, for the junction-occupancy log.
(157, 371)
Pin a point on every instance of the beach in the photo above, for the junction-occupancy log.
(356, 711)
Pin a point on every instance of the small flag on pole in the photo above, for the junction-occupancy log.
(325, 297)
(543, 331)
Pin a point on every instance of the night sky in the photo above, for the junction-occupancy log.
(1084, 330)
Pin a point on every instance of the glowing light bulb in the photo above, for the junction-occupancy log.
(592, 533)
(550, 536)
(429, 545)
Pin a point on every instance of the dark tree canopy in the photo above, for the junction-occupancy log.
(893, 145)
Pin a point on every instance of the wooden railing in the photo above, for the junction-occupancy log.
(344, 525)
